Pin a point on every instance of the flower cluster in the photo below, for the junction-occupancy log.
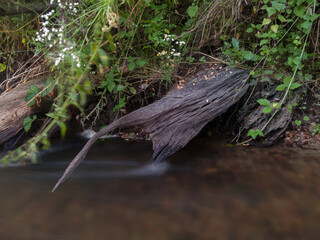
(53, 35)
(112, 21)
(173, 45)
(72, 7)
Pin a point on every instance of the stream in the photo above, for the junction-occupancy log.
(208, 190)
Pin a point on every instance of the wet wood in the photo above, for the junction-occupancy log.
(178, 117)
(13, 109)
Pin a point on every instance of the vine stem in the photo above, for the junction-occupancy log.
(290, 83)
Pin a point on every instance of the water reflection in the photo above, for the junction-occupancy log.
(209, 191)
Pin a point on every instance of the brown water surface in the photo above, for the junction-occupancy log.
(209, 191)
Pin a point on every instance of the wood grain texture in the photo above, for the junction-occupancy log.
(13, 109)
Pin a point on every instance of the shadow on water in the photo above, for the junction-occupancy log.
(208, 191)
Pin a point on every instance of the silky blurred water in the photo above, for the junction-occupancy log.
(207, 191)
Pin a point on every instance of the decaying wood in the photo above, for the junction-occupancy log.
(178, 117)
(13, 109)
(251, 116)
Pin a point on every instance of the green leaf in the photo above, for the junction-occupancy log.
(306, 24)
(275, 28)
(45, 143)
(306, 118)
(271, 11)
(120, 88)
(295, 86)
(103, 57)
(121, 104)
(249, 30)
(192, 11)
(87, 87)
(249, 56)
(111, 86)
(281, 87)
(286, 81)
(131, 66)
(27, 122)
(111, 41)
(268, 72)
(110, 76)
(202, 59)
(263, 41)
(297, 122)
(281, 18)
(307, 77)
(278, 6)
(276, 105)
(48, 86)
(254, 133)
(266, 21)
(130, 59)
(264, 102)
(299, 10)
(33, 91)
(235, 43)
(3, 67)
(267, 110)
(132, 90)
(63, 128)
(141, 62)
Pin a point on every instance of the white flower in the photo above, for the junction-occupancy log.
(57, 61)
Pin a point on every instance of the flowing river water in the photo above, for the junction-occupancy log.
(207, 191)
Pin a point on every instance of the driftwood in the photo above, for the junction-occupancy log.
(13, 109)
(178, 117)
(250, 116)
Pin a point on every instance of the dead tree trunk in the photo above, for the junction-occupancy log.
(13, 109)
(178, 117)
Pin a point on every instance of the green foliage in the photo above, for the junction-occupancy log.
(286, 83)
(297, 122)
(268, 106)
(110, 48)
(27, 122)
(192, 10)
(3, 67)
(316, 128)
(254, 133)
(112, 44)
(276, 36)
(31, 95)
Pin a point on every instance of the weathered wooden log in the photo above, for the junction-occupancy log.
(178, 117)
(14, 110)
(250, 116)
